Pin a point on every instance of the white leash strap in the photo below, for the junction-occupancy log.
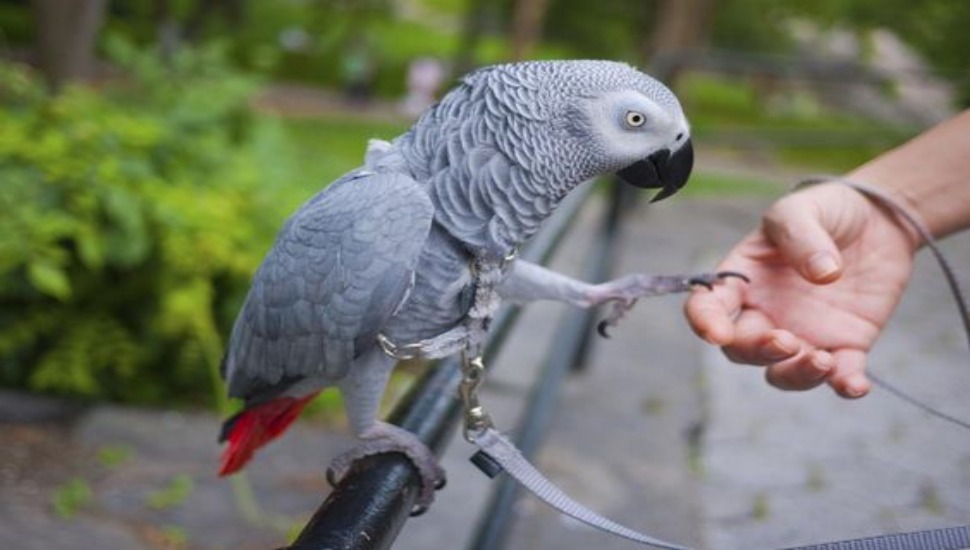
(507, 456)
(497, 453)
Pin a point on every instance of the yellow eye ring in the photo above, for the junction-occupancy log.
(635, 119)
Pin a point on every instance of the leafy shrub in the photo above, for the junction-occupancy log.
(133, 218)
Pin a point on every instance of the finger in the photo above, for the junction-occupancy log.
(802, 372)
(758, 342)
(796, 228)
(849, 377)
(711, 313)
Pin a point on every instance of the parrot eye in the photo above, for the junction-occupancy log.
(635, 119)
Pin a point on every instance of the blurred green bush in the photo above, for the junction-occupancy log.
(132, 219)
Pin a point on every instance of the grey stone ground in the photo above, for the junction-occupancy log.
(785, 469)
(659, 433)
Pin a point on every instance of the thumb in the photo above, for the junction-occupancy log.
(796, 226)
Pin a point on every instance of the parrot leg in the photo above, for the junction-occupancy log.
(528, 282)
(362, 390)
(625, 291)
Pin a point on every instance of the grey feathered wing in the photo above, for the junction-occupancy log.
(340, 267)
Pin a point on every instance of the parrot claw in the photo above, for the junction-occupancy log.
(419, 510)
(332, 477)
(708, 280)
(735, 274)
(701, 282)
(620, 307)
(385, 438)
(601, 328)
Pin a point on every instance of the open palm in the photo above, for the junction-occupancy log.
(827, 269)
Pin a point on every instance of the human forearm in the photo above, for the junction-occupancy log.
(930, 173)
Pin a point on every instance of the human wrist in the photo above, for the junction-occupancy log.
(928, 175)
(896, 205)
(896, 209)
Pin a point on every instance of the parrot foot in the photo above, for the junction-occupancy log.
(386, 438)
(625, 291)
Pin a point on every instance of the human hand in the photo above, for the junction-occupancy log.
(827, 269)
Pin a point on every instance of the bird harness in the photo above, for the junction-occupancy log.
(472, 330)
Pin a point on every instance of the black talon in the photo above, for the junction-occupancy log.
(601, 328)
(441, 484)
(331, 478)
(419, 510)
(698, 281)
(726, 274)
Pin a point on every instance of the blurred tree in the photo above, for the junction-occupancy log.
(610, 29)
(65, 34)
(680, 25)
(527, 21)
(935, 28)
(194, 21)
(167, 29)
(231, 12)
(477, 14)
(750, 26)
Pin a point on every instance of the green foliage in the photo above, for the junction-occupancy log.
(115, 455)
(174, 494)
(174, 536)
(336, 29)
(15, 24)
(69, 498)
(708, 184)
(751, 26)
(133, 219)
(325, 148)
(609, 29)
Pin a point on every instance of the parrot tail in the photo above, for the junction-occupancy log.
(254, 427)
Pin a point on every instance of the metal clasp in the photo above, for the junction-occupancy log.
(473, 374)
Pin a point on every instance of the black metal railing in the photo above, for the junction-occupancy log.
(369, 506)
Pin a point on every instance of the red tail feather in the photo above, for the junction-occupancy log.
(252, 428)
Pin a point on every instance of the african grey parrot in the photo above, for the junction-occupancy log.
(410, 254)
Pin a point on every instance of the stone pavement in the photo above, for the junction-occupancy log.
(659, 433)
(787, 469)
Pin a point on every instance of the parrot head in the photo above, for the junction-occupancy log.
(639, 131)
(564, 122)
(501, 150)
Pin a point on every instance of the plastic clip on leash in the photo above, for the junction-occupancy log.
(497, 453)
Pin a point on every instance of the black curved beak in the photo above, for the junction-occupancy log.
(661, 170)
